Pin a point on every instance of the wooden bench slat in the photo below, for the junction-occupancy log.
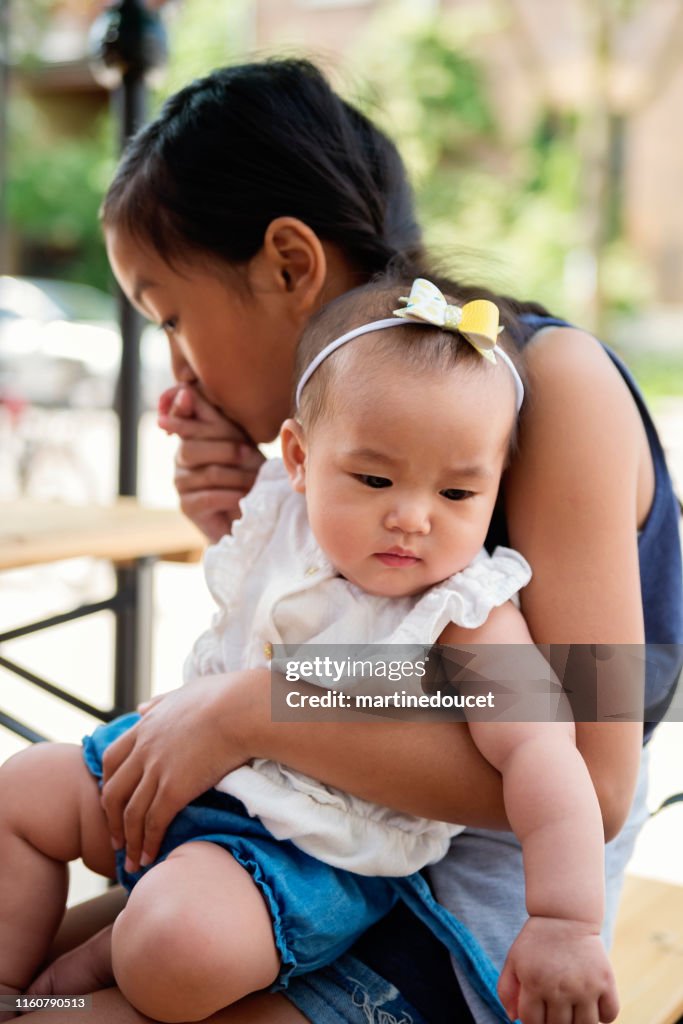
(33, 532)
(648, 952)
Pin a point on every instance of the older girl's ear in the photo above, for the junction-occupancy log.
(293, 441)
(292, 261)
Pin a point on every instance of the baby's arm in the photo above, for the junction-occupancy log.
(558, 959)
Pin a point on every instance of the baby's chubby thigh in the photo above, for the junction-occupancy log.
(50, 814)
(194, 936)
(50, 799)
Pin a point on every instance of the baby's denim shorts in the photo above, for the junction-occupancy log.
(317, 911)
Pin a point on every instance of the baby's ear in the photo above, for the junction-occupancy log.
(293, 441)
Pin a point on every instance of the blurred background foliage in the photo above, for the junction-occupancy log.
(420, 78)
(511, 212)
(54, 190)
(480, 201)
(503, 211)
(54, 193)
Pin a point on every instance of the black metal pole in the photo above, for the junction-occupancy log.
(130, 98)
(129, 40)
(132, 645)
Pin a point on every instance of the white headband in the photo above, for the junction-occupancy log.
(426, 305)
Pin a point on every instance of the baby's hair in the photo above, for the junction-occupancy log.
(420, 348)
(246, 144)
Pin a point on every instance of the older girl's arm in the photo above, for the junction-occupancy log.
(575, 499)
(192, 737)
(409, 766)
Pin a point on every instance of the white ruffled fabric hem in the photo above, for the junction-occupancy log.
(335, 827)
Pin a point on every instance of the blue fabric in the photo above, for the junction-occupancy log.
(471, 958)
(317, 911)
(659, 550)
(348, 992)
(402, 949)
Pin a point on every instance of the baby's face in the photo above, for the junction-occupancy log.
(401, 477)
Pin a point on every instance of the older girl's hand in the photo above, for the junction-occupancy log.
(216, 463)
(180, 748)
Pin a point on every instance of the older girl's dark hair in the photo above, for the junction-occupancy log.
(245, 144)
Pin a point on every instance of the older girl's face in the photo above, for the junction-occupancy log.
(235, 342)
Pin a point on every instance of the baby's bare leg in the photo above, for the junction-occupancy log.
(50, 814)
(195, 936)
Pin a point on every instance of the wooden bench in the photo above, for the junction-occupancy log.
(648, 952)
(125, 533)
(33, 532)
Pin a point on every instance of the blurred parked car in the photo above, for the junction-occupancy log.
(60, 346)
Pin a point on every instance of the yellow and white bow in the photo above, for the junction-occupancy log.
(476, 320)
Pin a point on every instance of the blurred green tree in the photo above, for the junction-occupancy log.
(538, 216)
(203, 35)
(54, 192)
(508, 214)
(55, 187)
(627, 52)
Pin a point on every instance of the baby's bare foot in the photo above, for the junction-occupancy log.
(87, 968)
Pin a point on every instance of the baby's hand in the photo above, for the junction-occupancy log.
(557, 971)
(216, 463)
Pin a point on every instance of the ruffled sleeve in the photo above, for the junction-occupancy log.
(467, 598)
(229, 567)
(227, 562)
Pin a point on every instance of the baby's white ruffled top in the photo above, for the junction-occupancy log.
(274, 585)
